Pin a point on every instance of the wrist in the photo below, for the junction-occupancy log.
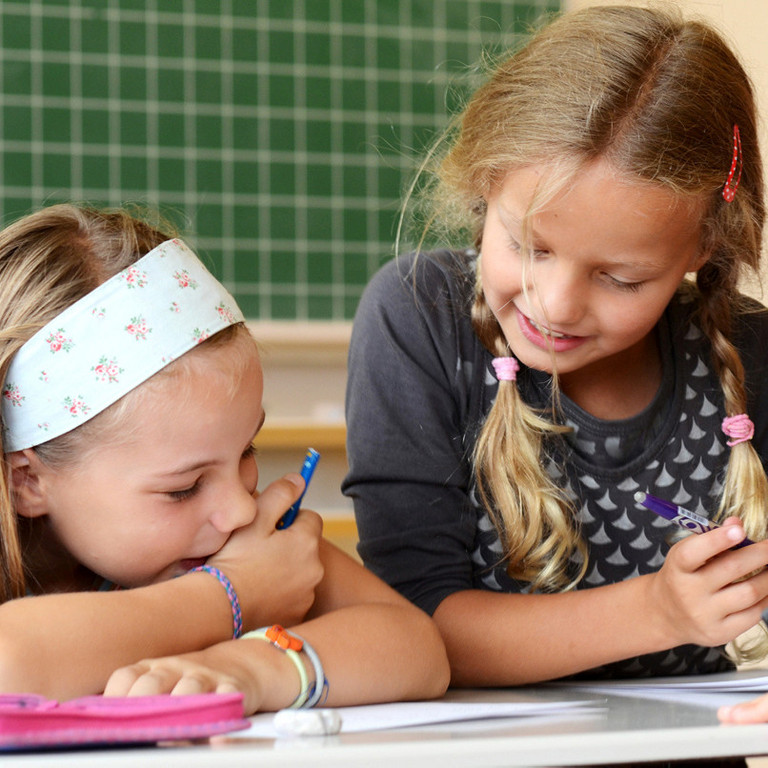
(662, 626)
(235, 613)
(313, 683)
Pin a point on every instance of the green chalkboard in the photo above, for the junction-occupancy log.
(277, 134)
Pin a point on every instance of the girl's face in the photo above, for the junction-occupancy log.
(608, 256)
(159, 502)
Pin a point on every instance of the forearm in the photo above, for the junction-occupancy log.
(67, 645)
(373, 644)
(378, 652)
(497, 639)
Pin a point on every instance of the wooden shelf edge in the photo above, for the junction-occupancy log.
(318, 436)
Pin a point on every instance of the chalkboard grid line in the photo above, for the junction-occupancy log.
(277, 134)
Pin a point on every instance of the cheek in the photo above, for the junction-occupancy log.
(249, 473)
(629, 321)
(500, 279)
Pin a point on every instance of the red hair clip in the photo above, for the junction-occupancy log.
(729, 192)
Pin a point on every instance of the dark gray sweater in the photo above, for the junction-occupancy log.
(420, 386)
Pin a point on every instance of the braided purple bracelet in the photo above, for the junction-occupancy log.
(237, 615)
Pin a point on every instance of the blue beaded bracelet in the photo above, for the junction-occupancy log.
(237, 615)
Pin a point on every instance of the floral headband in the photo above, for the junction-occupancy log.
(110, 341)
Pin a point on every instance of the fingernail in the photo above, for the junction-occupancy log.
(735, 532)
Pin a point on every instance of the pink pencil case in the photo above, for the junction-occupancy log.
(30, 721)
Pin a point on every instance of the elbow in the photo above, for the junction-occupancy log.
(27, 664)
(435, 676)
(441, 677)
(441, 674)
(16, 671)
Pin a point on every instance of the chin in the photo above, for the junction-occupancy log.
(534, 357)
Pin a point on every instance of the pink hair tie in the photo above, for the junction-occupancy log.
(506, 368)
(739, 427)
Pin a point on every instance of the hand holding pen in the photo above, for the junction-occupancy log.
(275, 572)
(681, 517)
(711, 587)
(307, 470)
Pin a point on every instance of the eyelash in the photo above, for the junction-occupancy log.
(631, 287)
(187, 493)
(515, 246)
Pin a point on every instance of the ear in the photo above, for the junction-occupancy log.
(26, 486)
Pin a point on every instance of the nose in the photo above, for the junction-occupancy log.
(234, 510)
(558, 295)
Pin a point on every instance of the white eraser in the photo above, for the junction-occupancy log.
(307, 722)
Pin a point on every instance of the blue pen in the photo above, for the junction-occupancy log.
(690, 521)
(307, 470)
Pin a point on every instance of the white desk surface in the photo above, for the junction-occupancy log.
(620, 729)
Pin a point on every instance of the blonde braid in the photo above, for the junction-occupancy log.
(745, 487)
(656, 96)
(533, 516)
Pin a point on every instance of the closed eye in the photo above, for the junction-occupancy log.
(536, 253)
(185, 493)
(624, 286)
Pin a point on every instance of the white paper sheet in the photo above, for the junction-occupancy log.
(743, 681)
(376, 717)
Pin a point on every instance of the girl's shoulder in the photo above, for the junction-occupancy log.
(421, 303)
(748, 331)
(426, 269)
(750, 336)
(438, 280)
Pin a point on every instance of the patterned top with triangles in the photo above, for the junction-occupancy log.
(420, 385)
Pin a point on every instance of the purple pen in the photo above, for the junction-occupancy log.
(307, 470)
(684, 518)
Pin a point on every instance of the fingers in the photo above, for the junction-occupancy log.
(755, 711)
(713, 553)
(311, 521)
(166, 676)
(278, 497)
(693, 551)
(121, 680)
(747, 598)
(708, 592)
(275, 500)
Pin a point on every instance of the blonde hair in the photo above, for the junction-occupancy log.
(49, 260)
(657, 96)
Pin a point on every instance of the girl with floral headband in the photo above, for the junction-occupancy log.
(525, 384)
(130, 521)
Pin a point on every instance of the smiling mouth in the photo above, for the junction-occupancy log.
(548, 332)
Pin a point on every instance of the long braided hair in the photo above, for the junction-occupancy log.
(657, 96)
